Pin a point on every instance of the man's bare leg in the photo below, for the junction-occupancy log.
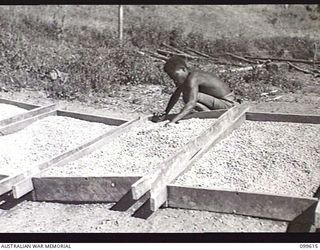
(200, 107)
(212, 102)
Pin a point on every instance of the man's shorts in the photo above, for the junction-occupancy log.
(230, 101)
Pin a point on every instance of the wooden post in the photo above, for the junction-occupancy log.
(120, 24)
(315, 55)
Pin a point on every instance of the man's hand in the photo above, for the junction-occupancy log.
(172, 123)
(159, 116)
(168, 124)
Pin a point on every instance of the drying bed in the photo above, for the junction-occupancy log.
(136, 152)
(43, 140)
(159, 154)
(7, 110)
(267, 157)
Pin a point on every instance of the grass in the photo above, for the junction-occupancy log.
(81, 42)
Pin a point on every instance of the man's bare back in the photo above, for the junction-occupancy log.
(207, 83)
(200, 90)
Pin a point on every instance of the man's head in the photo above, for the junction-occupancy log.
(177, 69)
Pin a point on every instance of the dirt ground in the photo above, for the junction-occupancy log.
(152, 98)
(53, 217)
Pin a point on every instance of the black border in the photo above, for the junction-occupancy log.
(157, 237)
(154, 2)
(160, 238)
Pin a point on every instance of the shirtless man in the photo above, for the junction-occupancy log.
(200, 90)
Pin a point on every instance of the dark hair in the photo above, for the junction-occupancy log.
(174, 63)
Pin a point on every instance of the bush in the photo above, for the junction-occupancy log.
(94, 63)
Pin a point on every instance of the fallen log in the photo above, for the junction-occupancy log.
(243, 68)
(165, 52)
(315, 54)
(154, 55)
(201, 54)
(240, 58)
(301, 70)
(173, 48)
(282, 59)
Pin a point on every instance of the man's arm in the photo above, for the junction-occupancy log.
(173, 100)
(192, 93)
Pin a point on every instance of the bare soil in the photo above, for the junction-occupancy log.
(54, 217)
(153, 98)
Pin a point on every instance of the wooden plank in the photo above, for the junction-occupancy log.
(303, 222)
(3, 176)
(22, 183)
(92, 118)
(237, 123)
(28, 114)
(171, 168)
(14, 127)
(22, 105)
(221, 128)
(317, 216)
(213, 114)
(82, 189)
(268, 206)
(9, 202)
(278, 117)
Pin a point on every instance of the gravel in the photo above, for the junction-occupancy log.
(44, 140)
(136, 152)
(7, 111)
(53, 217)
(269, 157)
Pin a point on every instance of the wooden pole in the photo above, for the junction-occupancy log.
(120, 24)
(315, 55)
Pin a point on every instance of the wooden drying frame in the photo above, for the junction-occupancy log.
(21, 184)
(171, 168)
(302, 213)
(157, 187)
(57, 186)
(25, 185)
(19, 121)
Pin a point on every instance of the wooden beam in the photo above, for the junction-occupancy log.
(28, 114)
(219, 130)
(304, 222)
(171, 168)
(278, 117)
(16, 126)
(317, 216)
(261, 205)
(22, 184)
(207, 114)
(92, 118)
(22, 105)
(82, 189)
(237, 123)
(120, 24)
(213, 114)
